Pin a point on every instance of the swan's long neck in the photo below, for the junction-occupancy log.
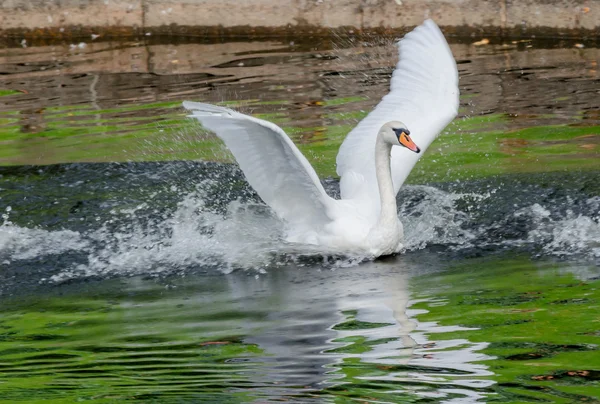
(388, 213)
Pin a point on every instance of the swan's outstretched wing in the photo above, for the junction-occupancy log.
(424, 96)
(272, 164)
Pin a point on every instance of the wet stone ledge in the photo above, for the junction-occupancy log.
(231, 18)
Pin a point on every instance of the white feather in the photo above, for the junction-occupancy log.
(423, 94)
(272, 164)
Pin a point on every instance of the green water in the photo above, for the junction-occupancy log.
(536, 319)
(496, 330)
(524, 108)
(470, 147)
(167, 282)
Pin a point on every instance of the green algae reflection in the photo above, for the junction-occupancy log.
(63, 350)
(470, 147)
(540, 321)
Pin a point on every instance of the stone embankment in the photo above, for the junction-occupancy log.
(70, 18)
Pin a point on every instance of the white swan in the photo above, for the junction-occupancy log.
(424, 95)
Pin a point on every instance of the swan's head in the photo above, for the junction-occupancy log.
(397, 134)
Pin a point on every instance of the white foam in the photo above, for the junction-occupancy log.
(19, 243)
(436, 220)
(572, 234)
(192, 236)
(248, 236)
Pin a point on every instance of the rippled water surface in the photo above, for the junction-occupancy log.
(136, 264)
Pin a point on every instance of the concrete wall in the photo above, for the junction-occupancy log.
(205, 17)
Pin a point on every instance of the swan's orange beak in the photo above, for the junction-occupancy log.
(407, 142)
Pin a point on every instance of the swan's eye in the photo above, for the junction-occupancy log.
(399, 131)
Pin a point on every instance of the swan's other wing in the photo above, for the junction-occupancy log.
(272, 164)
(423, 95)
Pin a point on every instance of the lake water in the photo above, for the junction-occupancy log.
(137, 265)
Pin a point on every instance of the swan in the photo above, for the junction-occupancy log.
(373, 162)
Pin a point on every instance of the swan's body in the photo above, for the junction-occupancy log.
(424, 95)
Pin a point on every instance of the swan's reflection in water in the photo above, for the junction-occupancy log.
(351, 331)
(300, 334)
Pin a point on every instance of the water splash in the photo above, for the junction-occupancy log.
(193, 237)
(200, 234)
(19, 243)
(564, 235)
(430, 216)
(171, 225)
